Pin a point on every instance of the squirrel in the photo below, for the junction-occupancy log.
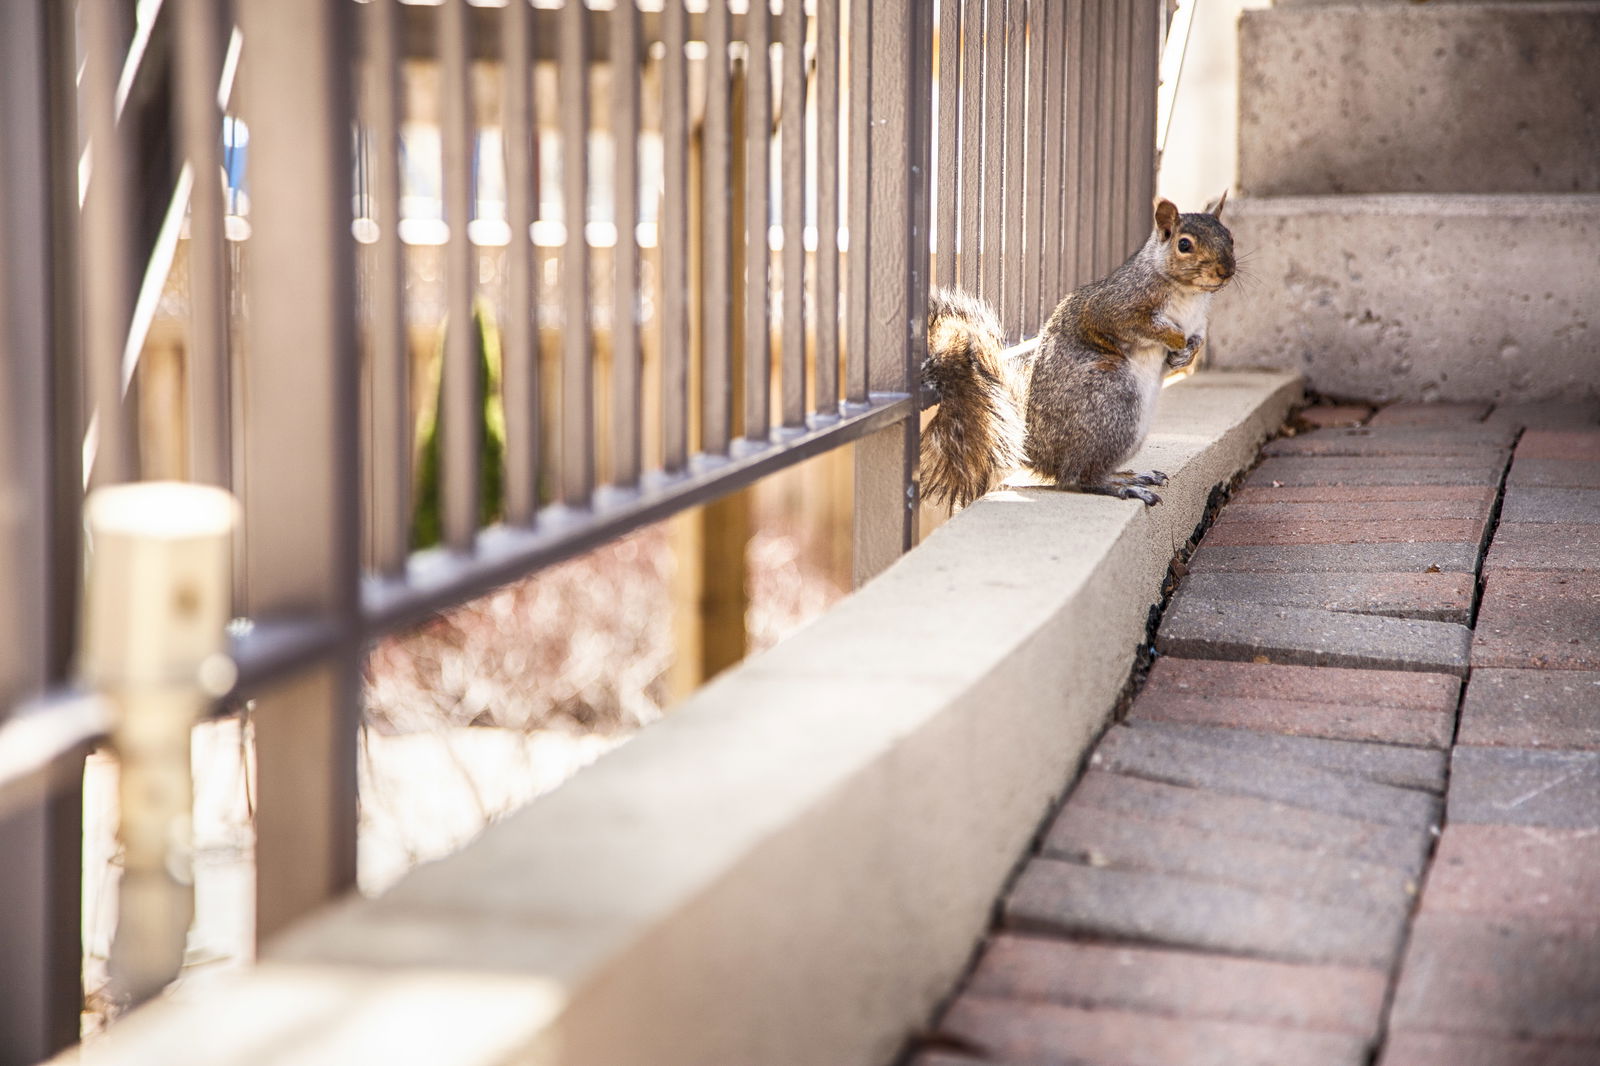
(1080, 405)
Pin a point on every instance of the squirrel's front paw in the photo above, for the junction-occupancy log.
(1185, 355)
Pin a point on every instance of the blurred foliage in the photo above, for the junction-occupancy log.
(427, 518)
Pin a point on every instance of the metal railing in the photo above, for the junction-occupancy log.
(682, 188)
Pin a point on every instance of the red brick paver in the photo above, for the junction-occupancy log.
(1516, 870)
(1180, 983)
(1552, 546)
(1536, 619)
(1360, 531)
(1430, 414)
(1333, 494)
(1501, 975)
(1562, 444)
(1044, 1034)
(1532, 709)
(1439, 1049)
(1396, 707)
(1332, 415)
(1554, 474)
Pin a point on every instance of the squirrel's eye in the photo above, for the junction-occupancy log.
(1185, 244)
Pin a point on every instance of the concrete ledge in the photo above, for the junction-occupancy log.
(1417, 297)
(794, 866)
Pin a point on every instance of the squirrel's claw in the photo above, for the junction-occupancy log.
(1148, 477)
(1134, 492)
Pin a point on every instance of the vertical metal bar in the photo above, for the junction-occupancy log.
(885, 462)
(1033, 177)
(577, 371)
(626, 409)
(61, 148)
(757, 215)
(793, 122)
(1114, 67)
(949, 138)
(461, 394)
(1088, 205)
(827, 258)
(301, 475)
(520, 376)
(1014, 263)
(199, 71)
(716, 278)
(388, 393)
(1146, 86)
(1054, 119)
(675, 237)
(859, 203)
(106, 254)
(40, 937)
(1108, 224)
(996, 86)
(974, 164)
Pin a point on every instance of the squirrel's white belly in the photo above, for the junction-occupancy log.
(1187, 309)
(1148, 361)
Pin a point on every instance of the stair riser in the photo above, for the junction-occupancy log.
(1418, 297)
(1501, 97)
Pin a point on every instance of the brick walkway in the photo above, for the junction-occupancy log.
(1353, 816)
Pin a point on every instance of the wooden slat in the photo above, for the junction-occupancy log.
(859, 203)
(199, 71)
(996, 88)
(388, 391)
(1014, 258)
(675, 238)
(577, 369)
(1033, 175)
(716, 279)
(461, 393)
(105, 256)
(827, 257)
(520, 380)
(1116, 174)
(974, 166)
(793, 134)
(624, 255)
(757, 215)
(949, 168)
(1055, 108)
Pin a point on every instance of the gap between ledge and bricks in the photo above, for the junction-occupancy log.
(1194, 901)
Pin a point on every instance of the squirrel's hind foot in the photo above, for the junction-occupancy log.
(1131, 477)
(1123, 491)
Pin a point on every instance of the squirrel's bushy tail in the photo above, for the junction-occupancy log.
(974, 439)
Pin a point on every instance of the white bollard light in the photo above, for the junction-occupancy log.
(158, 592)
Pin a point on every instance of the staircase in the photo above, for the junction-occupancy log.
(1420, 217)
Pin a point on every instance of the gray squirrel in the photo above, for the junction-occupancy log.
(1079, 406)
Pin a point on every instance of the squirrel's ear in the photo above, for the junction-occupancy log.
(1214, 209)
(1166, 218)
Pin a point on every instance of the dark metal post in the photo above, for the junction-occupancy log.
(40, 939)
(886, 490)
(302, 476)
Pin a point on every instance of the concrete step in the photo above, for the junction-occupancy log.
(1417, 297)
(1405, 97)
